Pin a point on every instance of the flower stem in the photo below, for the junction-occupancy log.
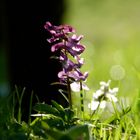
(95, 111)
(69, 92)
(82, 99)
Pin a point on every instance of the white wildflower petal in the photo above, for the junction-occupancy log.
(102, 83)
(81, 60)
(111, 97)
(108, 83)
(85, 87)
(113, 91)
(97, 94)
(89, 105)
(75, 87)
(102, 104)
(102, 88)
(94, 105)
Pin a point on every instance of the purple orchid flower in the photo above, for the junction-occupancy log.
(78, 75)
(74, 75)
(58, 32)
(72, 45)
(69, 65)
(80, 61)
(57, 46)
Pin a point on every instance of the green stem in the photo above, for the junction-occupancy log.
(95, 111)
(19, 98)
(69, 93)
(82, 99)
(30, 108)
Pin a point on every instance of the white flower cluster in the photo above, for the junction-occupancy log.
(103, 95)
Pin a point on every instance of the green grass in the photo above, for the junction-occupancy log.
(53, 122)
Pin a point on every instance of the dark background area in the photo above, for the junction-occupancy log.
(29, 63)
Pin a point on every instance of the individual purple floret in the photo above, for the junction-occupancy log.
(58, 32)
(71, 45)
(75, 75)
(68, 64)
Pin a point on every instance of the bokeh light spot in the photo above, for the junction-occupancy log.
(117, 72)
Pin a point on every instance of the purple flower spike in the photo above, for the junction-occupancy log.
(68, 45)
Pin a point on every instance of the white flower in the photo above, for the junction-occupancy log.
(95, 104)
(102, 96)
(106, 92)
(103, 104)
(75, 87)
(113, 91)
(104, 85)
(111, 97)
(98, 94)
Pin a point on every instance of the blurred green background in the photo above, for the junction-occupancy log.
(111, 30)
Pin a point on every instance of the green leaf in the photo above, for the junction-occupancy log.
(56, 135)
(128, 109)
(62, 93)
(57, 83)
(111, 119)
(17, 136)
(58, 106)
(75, 133)
(45, 108)
(79, 132)
(69, 114)
(38, 129)
(55, 122)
